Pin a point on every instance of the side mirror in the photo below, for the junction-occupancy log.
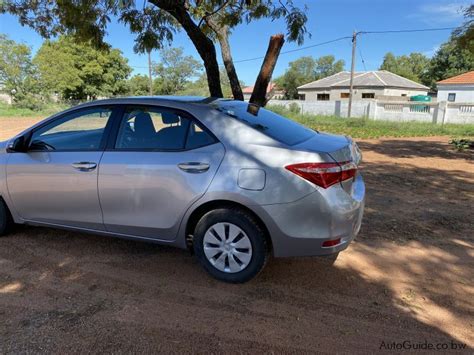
(17, 145)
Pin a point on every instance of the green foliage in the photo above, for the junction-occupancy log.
(462, 143)
(413, 66)
(18, 76)
(305, 70)
(464, 34)
(78, 71)
(448, 61)
(174, 71)
(45, 110)
(138, 85)
(294, 108)
(365, 128)
(199, 86)
(231, 13)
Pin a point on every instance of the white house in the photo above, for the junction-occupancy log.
(380, 84)
(459, 88)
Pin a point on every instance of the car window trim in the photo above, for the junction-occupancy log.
(111, 142)
(105, 134)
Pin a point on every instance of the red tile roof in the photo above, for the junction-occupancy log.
(249, 89)
(466, 78)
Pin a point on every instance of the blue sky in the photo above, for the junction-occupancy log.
(327, 20)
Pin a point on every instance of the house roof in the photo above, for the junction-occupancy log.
(249, 89)
(466, 78)
(380, 78)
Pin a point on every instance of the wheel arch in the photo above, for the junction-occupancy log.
(204, 208)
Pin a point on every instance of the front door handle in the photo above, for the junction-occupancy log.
(194, 167)
(84, 166)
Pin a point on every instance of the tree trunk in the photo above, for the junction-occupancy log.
(222, 33)
(259, 94)
(202, 43)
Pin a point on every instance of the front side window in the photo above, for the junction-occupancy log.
(155, 128)
(368, 95)
(323, 97)
(451, 97)
(345, 95)
(78, 130)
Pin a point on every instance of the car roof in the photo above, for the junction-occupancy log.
(153, 99)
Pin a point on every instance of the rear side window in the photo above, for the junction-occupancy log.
(197, 137)
(162, 129)
(269, 123)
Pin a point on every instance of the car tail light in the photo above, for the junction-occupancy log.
(331, 243)
(324, 174)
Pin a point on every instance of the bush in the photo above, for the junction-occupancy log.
(294, 108)
(31, 102)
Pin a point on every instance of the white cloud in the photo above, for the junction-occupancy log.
(446, 12)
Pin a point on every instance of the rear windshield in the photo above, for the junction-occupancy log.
(275, 126)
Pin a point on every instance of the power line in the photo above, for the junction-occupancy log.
(340, 39)
(349, 37)
(297, 49)
(362, 58)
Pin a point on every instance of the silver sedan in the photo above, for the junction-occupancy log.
(231, 181)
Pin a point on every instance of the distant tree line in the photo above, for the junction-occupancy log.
(66, 70)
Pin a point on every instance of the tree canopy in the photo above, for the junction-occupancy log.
(307, 69)
(174, 70)
(18, 75)
(413, 66)
(451, 59)
(79, 71)
(156, 22)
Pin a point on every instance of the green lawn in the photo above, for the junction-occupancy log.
(12, 111)
(365, 128)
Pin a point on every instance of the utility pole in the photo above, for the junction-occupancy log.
(351, 88)
(149, 73)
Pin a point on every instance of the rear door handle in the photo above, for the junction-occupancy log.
(84, 166)
(194, 167)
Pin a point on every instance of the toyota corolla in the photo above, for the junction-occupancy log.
(233, 182)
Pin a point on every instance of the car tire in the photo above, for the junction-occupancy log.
(5, 219)
(241, 234)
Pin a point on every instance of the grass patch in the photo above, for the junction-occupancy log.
(12, 111)
(365, 128)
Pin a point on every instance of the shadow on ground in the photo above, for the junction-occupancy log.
(408, 277)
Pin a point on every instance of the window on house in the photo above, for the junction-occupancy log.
(345, 95)
(404, 95)
(368, 95)
(302, 96)
(323, 97)
(451, 97)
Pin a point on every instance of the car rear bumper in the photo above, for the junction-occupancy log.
(300, 228)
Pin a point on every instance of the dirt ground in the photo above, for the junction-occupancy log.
(407, 278)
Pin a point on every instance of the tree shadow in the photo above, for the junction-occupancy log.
(407, 277)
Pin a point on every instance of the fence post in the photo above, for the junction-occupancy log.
(442, 112)
(337, 108)
(372, 111)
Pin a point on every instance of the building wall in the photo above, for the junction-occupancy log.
(335, 94)
(463, 93)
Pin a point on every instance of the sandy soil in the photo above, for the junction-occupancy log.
(408, 277)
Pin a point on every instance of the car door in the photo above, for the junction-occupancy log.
(161, 161)
(55, 181)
